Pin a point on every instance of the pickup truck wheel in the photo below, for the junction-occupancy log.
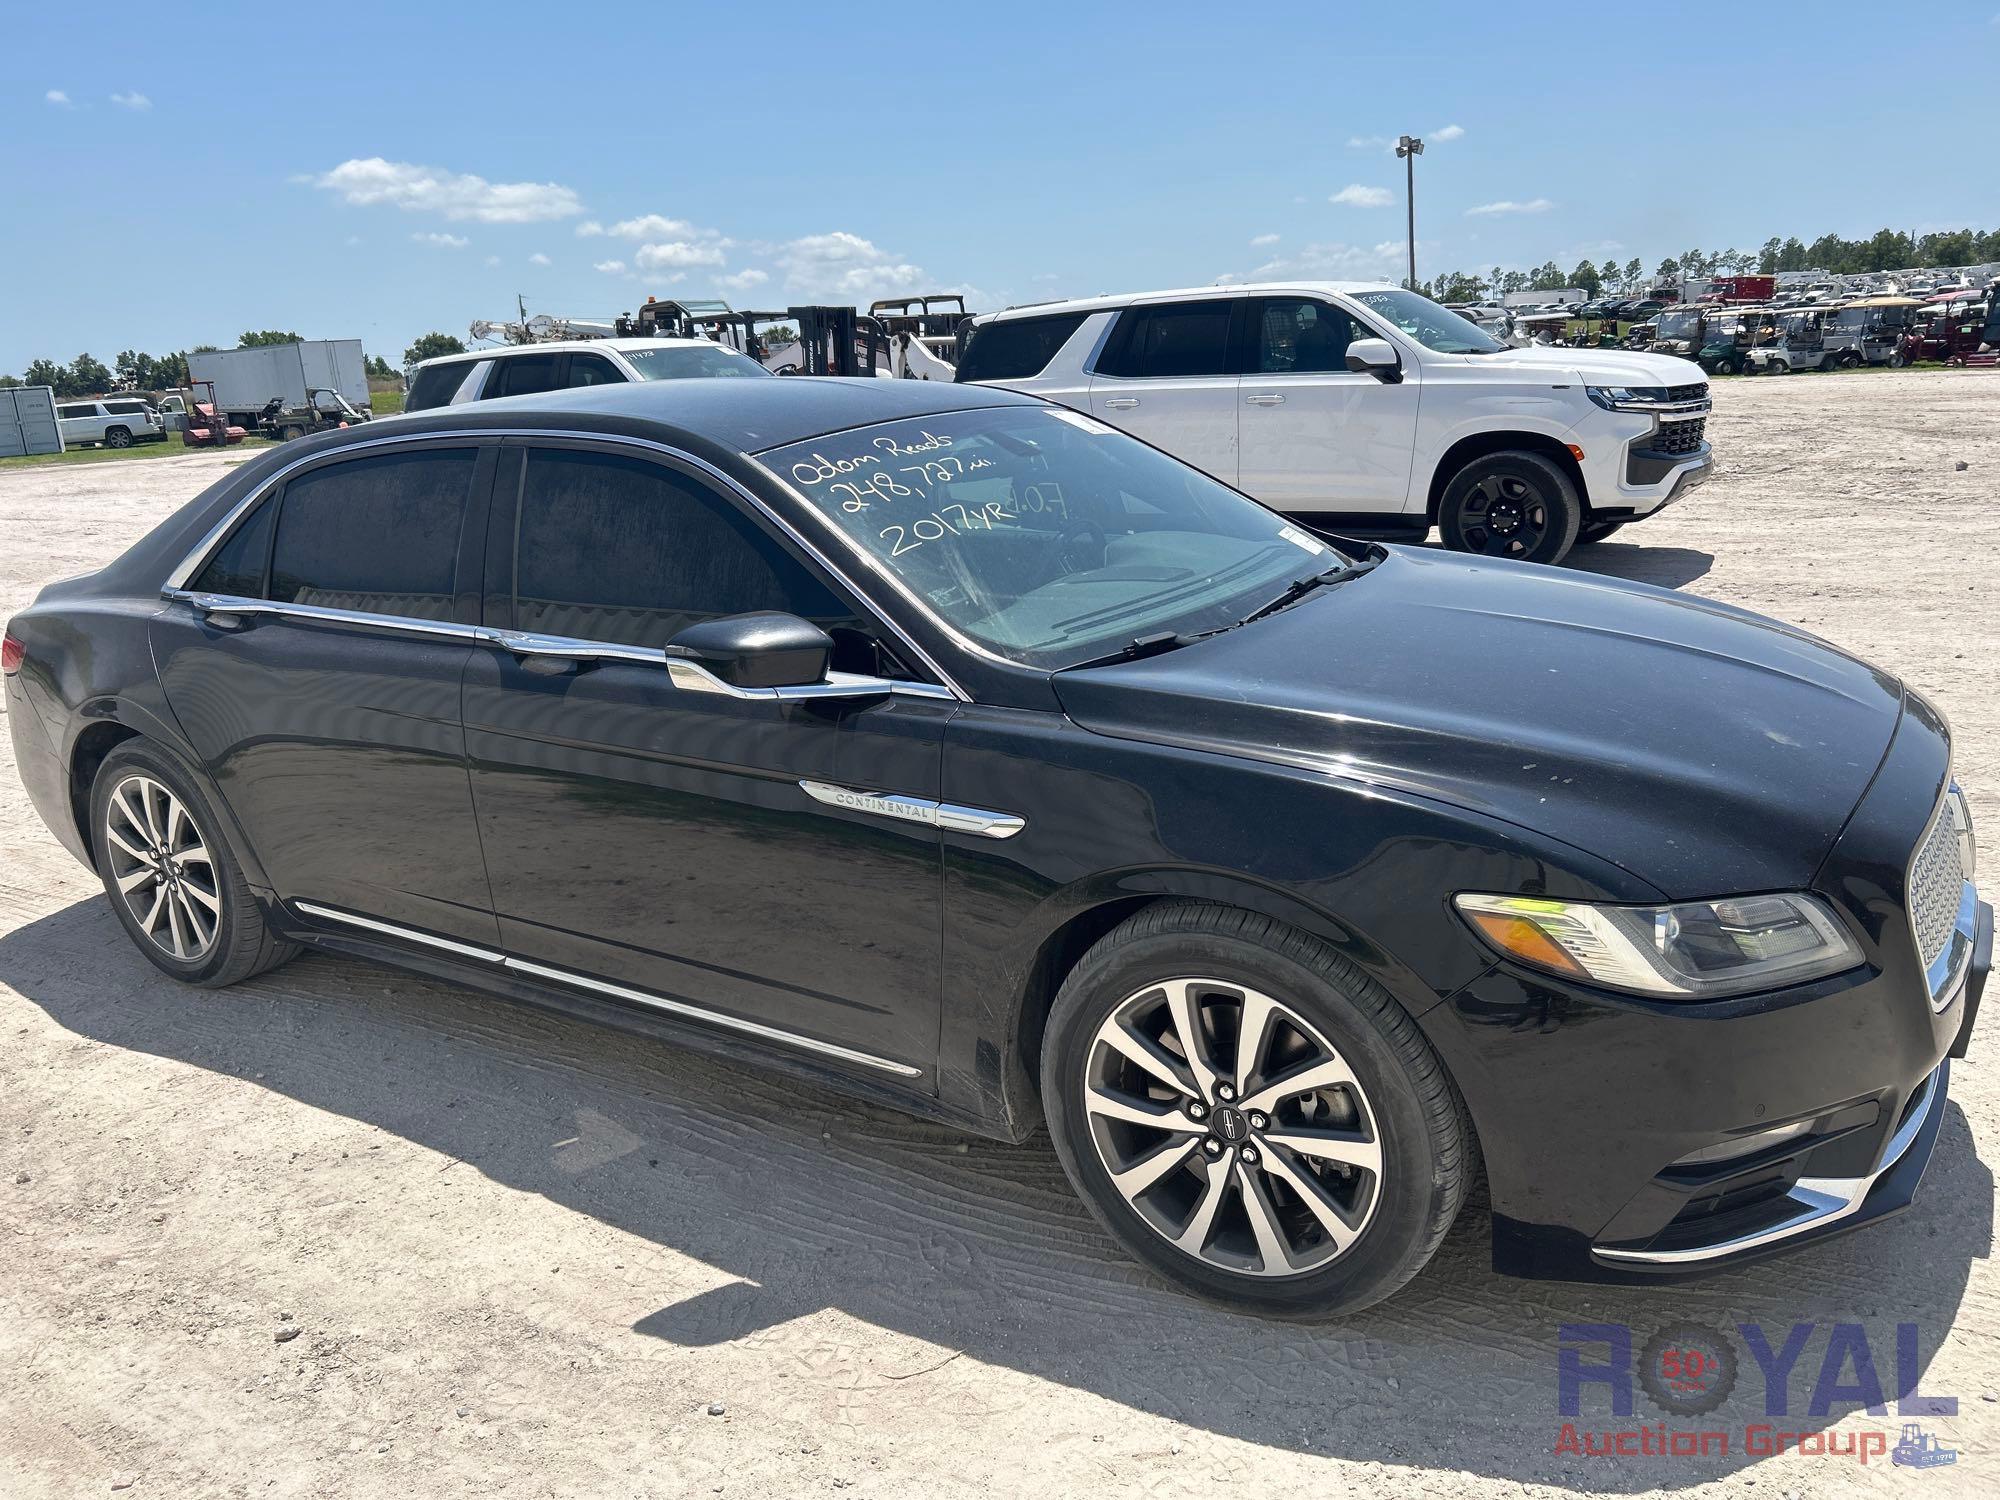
(118, 437)
(1511, 504)
(1597, 531)
(1250, 1113)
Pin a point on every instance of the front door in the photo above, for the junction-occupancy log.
(660, 841)
(1164, 377)
(1314, 435)
(316, 672)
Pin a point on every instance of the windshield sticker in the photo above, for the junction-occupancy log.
(1082, 423)
(1299, 539)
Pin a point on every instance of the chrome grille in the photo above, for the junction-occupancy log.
(1937, 879)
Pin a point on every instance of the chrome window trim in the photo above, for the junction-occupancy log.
(646, 998)
(175, 586)
(1820, 1201)
(232, 604)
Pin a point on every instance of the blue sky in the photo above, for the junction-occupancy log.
(412, 167)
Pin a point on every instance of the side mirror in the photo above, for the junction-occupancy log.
(738, 654)
(1375, 357)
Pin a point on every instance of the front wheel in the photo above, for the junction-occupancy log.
(1513, 504)
(1250, 1114)
(170, 874)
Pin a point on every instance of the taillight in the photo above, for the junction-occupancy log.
(12, 654)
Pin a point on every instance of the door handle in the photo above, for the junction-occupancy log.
(1264, 400)
(1121, 403)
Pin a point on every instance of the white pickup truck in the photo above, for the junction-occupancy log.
(1369, 410)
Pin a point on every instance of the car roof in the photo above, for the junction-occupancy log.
(1231, 289)
(504, 351)
(740, 416)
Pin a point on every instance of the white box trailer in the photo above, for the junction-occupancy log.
(28, 421)
(246, 380)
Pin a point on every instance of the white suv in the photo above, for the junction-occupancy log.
(115, 421)
(525, 369)
(1368, 409)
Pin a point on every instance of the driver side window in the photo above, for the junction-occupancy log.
(1301, 336)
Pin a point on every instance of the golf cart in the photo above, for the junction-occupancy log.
(1800, 345)
(323, 411)
(1869, 331)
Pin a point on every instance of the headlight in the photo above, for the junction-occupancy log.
(1696, 950)
(1626, 397)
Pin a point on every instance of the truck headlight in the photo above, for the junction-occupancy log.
(1693, 950)
(1627, 397)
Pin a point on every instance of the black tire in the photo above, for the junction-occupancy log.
(286, 434)
(242, 943)
(1597, 531)
(1428, 1155)
(118, 437)
(1512, 504)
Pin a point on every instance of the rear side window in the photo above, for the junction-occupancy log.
(616, 549)
(523, 375)
(1016, 348)
(238, 568)
(435, 385)
(1173, 338)
(377, 535)
(126, 408)
(67, 412)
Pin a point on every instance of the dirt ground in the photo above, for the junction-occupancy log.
(524, 1257)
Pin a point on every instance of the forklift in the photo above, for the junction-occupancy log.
(831, 340)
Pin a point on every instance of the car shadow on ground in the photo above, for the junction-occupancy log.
(812, 1201)
(1669, 567)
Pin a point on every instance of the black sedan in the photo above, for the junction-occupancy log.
(978, 757)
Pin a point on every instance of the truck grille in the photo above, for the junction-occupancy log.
(1696, 392)
(1683, 436)
(1936, 883)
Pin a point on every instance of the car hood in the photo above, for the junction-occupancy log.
(1702, 748)
(1604, 366)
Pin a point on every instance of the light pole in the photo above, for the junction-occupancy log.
(1409, 148)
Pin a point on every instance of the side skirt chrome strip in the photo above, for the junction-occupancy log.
(620, 991)
(948, 815)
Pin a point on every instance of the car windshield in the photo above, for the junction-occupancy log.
(1678, 325)
(687, 361)
(1043, 535)
(1436, 328)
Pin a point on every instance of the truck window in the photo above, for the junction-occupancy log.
(1016, 348)
(1170, 339)
(591, 369)
(522, 375)
(435, 385)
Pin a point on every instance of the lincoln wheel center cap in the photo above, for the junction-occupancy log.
(1230, 1125)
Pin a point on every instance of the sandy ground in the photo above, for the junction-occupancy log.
(524, 1256)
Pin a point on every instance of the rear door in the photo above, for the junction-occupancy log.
(1164, 376)
(315, 664)
(1315, 436)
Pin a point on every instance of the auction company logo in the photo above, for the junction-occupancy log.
(1687, 1370)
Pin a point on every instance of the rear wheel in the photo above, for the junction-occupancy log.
(1512, 504)
(118, 437)
(1250, 1114)
(172, 878)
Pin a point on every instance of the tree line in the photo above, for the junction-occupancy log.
(132, 370)
(1885, 250)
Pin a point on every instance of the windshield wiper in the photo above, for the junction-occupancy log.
(1298, 588)
(1138, 648)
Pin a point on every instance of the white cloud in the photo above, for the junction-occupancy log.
(1449, 133)
(442, 241)
(1370, 143)
(1336, 261)
(1263, 239)
(492, 260)
(1509, 206)
(58, 98)
(652, 226)
(134, 100)
(845, 267)
(1356, 195)
(366, 181)
(610, 267)
(538, 259)
(675, 255)
(588, 228)
(743, 281)
(354, 239)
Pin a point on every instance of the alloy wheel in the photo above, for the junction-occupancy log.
(1233, 1127)
(1504, 516)
(162, 868)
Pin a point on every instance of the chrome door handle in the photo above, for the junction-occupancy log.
(1121, 403)
(1264, 400)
